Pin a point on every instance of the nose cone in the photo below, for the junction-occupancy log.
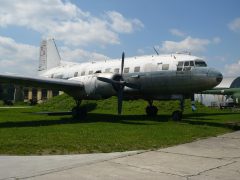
(219, 78)
(215, 75)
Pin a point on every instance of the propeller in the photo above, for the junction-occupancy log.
(119, 85)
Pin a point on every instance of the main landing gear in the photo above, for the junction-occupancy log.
(150, 109)
(177, 115)
(79, 112)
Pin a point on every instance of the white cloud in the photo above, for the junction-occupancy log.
(232, 69)
(17, 58)
(177, 32)
(141, 51)
(122, 25)
(67, 22)
(188, 44)
(80, 55)
(216, 40)
(235, 25)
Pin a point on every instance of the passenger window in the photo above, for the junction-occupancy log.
(116, 70)
(82, 73)
(90, 72)
(165, 66)
(75, 74)
(98, 71)
(126, 70)
(137, 69)
(107, 70)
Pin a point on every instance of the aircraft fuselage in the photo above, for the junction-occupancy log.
(158, 77)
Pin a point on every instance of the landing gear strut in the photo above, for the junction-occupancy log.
(79, 112)
(177, 115)
(150, 109)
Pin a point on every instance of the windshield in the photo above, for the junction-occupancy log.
(199, 63)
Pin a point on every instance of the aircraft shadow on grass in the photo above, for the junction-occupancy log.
(92, 118)
(204, 119)
(192, 118)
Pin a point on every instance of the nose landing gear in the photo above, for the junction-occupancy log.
(177, 115)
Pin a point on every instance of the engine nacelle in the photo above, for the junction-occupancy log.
(95, 89)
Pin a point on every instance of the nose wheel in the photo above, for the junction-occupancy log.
(177, 116)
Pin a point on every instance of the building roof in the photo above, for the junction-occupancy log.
(230, 82)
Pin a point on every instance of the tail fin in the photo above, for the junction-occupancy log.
(49, 55)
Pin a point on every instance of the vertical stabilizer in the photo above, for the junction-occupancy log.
(49, 55)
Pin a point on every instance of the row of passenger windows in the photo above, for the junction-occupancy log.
(108, 70)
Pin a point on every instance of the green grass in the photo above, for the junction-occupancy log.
(23, 132)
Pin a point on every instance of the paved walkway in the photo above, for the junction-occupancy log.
(213, 158)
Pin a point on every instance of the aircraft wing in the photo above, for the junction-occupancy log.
(41, 82)
(224, 91)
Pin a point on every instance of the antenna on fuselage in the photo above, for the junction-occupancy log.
(156, 50)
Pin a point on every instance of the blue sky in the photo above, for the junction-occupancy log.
(94, 29)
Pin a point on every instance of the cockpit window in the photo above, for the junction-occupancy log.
(199, 63)
(191, 63)
(180, 63)
(186, 63)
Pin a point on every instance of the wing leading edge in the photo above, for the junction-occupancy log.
(41, 82)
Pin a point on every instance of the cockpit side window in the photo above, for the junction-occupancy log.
(187, 66)
(180, 66)
(192, 63)
(186, 63)
(200, 63)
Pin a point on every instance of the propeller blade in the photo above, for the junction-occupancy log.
(106, 80)
(120, 99)
(122, 64)
(133, 86)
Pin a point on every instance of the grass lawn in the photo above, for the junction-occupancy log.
(23, 132)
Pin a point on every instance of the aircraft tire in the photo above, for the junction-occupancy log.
(177, 116)
(79, 113)
(151, 110)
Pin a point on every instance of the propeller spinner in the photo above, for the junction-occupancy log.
(119, 85)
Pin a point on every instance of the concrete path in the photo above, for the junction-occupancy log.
(213, 158)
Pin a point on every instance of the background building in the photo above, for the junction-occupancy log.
(13, 93)
(217, 100)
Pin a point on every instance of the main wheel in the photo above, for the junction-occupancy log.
(177, 116)
(151, 110)
(79, 113)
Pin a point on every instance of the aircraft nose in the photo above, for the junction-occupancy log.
(213, 73)
(219, 77)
